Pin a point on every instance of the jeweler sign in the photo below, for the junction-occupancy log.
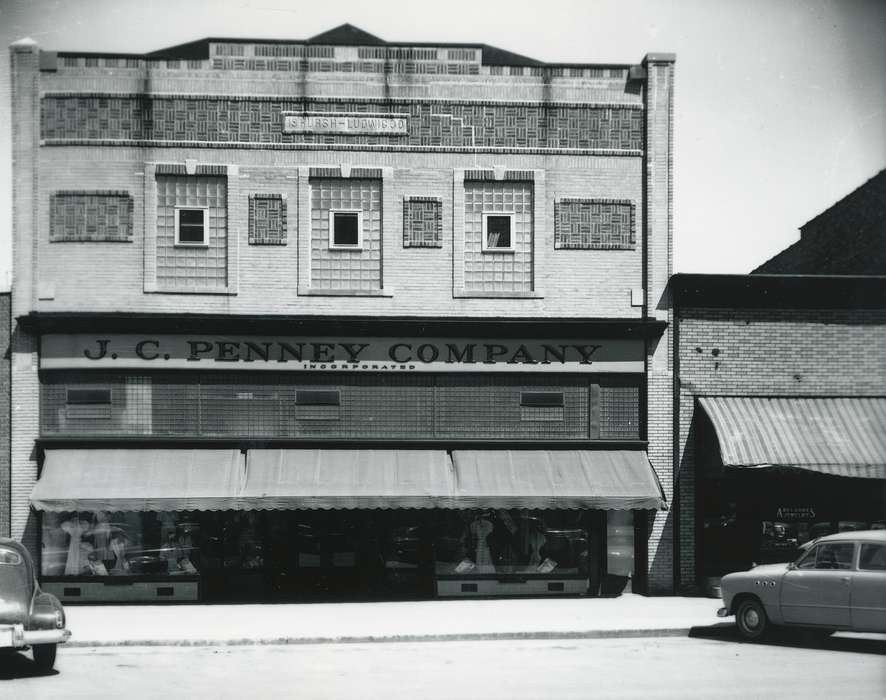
(344, 123)
(357, 354)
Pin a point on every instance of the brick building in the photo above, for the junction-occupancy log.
(780, 415)
(847, 238)
(5, 473)
(341, 317)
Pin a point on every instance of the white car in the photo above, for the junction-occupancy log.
(838, 583)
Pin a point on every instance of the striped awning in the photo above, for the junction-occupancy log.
(840, 436)
(325, 479)
(139, 480)
(599, 479)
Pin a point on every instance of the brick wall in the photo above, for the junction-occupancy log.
(5, 389)
(771, 352)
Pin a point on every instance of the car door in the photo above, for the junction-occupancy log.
(817, 591)
(869, 589)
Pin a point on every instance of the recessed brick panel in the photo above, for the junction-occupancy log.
(90, 216)
(594, 224)
(422, 222)
(267, 219)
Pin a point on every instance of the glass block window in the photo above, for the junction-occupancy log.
(90, 216)
(498, 268)
(619, 410)
(594, 224)
(346, 266)
(267, 219)
(189, 265)
(422, 222)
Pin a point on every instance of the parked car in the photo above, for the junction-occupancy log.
(837, 583)
(28, 616)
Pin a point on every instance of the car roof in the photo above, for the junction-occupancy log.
(867, 535)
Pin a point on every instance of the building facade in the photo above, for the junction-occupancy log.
(780, 416)
(341, 317)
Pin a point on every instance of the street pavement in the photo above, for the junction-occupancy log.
(428, 620)
(715, 665)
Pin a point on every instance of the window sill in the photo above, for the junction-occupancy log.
(207, 291)
(314, 292)
(465, 294)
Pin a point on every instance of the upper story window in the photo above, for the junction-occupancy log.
(498, 232)
(346, 229)
(191, 226)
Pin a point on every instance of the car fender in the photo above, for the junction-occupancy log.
(46, 612)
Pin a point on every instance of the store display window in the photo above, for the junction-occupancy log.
(512, 541)
(103, 543)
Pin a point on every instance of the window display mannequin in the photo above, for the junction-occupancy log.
(481, 527)
(76, 529)
(118, 547)
(535, 541)
(101, 537)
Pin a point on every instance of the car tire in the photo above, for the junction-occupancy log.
(751, 619)
(44, 656)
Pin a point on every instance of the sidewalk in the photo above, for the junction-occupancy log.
(436, 620)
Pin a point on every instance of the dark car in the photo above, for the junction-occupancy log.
(28, 616)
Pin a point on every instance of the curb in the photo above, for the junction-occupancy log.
(397, 639)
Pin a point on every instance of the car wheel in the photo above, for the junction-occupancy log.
(44, 656)
(751, 619)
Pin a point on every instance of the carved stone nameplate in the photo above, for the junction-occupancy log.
(344, 123)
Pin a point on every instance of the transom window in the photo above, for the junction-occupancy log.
(498, 232)
(346, 229)
(190, 226)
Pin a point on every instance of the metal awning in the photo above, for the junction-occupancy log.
(293, 479)
(139, 480)
(603, 479)
(841, 436)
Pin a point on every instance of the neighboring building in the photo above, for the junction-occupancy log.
(341, 316)
(780, 418)
(849, 238)
(5, 473)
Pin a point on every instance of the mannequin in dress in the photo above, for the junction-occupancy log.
(101, 537)
(118, 547)
(76, 529)
(481, 528)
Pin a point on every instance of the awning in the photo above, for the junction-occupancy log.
(846, 437)
(139, 479)
(293, 479)
(604, 479)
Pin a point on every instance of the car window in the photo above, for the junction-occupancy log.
(9, 556)
(834, 555)
(807, 561)
(872, 557)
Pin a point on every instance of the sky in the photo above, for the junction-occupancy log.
(780, 105)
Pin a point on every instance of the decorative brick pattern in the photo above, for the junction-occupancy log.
(194, 267)
(267, 219)
(422, 222)
(594, 224)
(90, 216)
(472, 125)
(498, 271)
(357, 270)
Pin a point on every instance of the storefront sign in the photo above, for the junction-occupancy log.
(339, 354)
(344, 123)
(792, 513)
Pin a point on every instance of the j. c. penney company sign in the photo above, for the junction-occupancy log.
(418, 354)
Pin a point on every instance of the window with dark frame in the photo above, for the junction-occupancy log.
(190, 227)
(344, 229)
(85, 397)
(498, 232)
(317, 397)
(88, 404)
(541, 399)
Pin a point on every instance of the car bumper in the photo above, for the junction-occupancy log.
(16, 636)
(723, 612)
